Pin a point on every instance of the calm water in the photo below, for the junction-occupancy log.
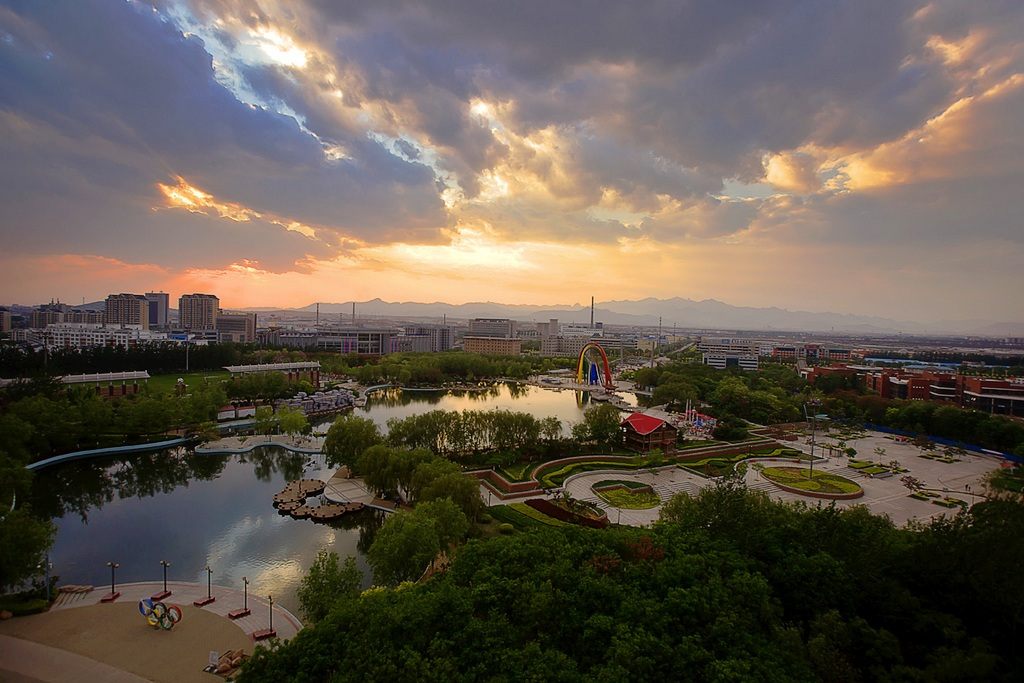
(197, 510)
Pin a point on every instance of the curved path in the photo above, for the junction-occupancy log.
(113, 450)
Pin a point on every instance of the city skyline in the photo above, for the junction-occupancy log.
(853, 157)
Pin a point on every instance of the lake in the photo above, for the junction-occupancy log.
(197, 510)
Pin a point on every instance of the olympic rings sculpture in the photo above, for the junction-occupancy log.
(159, 615)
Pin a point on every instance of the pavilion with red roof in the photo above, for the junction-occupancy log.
(644, 433)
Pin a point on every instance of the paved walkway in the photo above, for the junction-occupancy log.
(81, 639)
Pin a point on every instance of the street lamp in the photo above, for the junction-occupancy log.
(113, 595)
(47, 566)
(813, 420)
(165, 565)
(271, 598)
(209, 579)
(245, 593)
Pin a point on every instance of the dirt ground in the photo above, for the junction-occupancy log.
(118, 635)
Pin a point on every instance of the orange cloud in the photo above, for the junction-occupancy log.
(192, 199)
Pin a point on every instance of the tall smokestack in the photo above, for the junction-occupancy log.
(353, 312)
(591, 312)
(318, 314)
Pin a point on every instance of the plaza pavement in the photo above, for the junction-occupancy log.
(82, 639)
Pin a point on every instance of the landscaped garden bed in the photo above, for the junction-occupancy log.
(822, 485)
(948, 502)
(716, 465)
(522, 516)
(556, 476)
(571, 511)
(629, 495)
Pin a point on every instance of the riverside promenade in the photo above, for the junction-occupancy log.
(81, 638)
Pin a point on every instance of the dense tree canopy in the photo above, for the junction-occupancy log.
(729, 585)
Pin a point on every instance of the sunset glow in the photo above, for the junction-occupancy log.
(297, 152)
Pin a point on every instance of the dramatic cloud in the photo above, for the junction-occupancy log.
(281, 151)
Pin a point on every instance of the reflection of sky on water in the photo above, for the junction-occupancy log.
(228, 523)
(566, 405)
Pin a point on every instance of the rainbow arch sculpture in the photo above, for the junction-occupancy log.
(593, 373)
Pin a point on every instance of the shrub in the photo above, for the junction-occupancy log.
(484, 518)
(505, 528)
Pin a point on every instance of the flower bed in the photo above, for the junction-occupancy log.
(822, 485)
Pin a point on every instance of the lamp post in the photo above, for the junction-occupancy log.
(47, 567)
(245, 593)
(813, 420)
(165, 565)
(209, 579)
(271, 598)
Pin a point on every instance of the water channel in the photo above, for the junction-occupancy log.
(198, 510)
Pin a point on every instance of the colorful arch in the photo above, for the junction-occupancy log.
(608, 383)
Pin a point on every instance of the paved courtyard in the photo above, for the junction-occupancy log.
(882, 496)
(80, 639)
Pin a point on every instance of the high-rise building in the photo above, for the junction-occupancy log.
(198, 311)
(159, 303)
(127, 309)
(5, 321)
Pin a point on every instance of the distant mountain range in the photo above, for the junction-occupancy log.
(675, 312)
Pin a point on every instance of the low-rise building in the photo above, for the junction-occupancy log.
(644, 433)
(495, 345)
(236, 327)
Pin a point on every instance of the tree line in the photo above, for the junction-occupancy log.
(777, 394)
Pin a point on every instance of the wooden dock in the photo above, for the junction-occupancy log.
(292, 500)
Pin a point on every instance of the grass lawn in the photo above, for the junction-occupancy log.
(823, 482)
(164, 384)
(630, 499)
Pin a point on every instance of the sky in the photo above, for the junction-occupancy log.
(856, 156)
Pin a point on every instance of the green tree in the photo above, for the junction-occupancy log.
(265, 422)
(376, 467)
(291, 421)
(427, 472)
(25, 541)
(347, 438)
(326, 583)
(600, 424)
(461, 490)
(402, 548)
